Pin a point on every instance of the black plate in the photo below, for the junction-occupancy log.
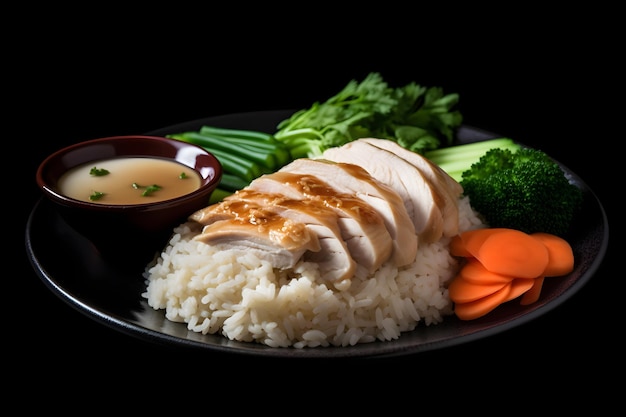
(110, 292)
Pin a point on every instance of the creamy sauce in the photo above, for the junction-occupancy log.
(117, 187)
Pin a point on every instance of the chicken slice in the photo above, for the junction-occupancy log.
(362, 227)
(248, 227)
(332, 254)
(422, 200)
(334, 258)
(451, 189)
(354, 180)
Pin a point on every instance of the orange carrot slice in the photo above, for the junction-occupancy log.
(503, 264)
(520, 286)
(560, 254)
(463, 291)
(513, 252)
(457, 247)
(478, 308)
(533, 293)
(472, 240)
(473, 271)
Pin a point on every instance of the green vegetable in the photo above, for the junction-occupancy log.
(459, 158)
(523, 189)
(237, 165)
(98, 172)
(147, 190)
(214, 143)
(251, 136)
(417, 117)
(96, 195)
(231, 161)
(244, 154)
(218, 195)
(150, 189)
(231, 182)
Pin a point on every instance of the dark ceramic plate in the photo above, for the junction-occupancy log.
(109, 290)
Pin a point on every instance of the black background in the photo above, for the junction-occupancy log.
(547, 90)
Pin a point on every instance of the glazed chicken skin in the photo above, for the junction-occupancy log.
(354, 180)
(246, 227)
(358, 206)
(331, 253)
(361, 226)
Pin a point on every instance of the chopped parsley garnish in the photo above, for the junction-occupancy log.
(98, 172)
(147, 190)
(97, 195)
(150, 189)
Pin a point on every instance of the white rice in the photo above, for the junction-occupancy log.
(245, 299)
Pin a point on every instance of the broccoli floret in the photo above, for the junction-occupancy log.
(524, 190)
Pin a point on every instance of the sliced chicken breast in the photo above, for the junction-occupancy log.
(247, 227)
(422, 199)
(334, 258)
(354, 180)
(362, 227)
(332, 254)
(451, 189)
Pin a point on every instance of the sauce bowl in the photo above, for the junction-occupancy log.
(131, 231)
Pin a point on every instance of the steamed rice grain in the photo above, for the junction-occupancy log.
(245, 299)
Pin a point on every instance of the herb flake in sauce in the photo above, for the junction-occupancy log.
(98, 172)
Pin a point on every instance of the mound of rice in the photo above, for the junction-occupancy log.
(245, 299)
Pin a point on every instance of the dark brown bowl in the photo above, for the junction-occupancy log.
(139, 228)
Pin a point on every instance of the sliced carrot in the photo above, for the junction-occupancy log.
(472, 240)
(513, 252)
(503, 264)
(457, 247)
(520, 286)
(478, 308)
(474, 272)
(463, 291)
(533, 293)
(560, 254)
